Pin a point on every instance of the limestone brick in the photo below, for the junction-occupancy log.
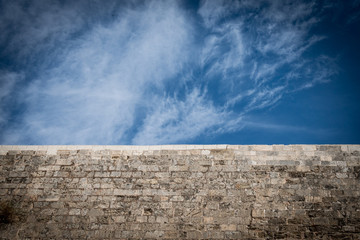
(180, 192)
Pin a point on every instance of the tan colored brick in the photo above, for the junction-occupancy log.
(228, 227)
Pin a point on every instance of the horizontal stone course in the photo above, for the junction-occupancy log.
(180, 192)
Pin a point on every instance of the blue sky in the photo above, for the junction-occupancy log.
(179, 72)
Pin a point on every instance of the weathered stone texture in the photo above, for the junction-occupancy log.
(180, 192)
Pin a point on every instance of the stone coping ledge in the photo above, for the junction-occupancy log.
(159, 147)
(52, 149)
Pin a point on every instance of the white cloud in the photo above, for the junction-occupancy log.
(279, 127)
(175, 121)
(224, 50)
(92, 95)
(28, 28)
(252, 53)
(212, 11)
(139, 75)
(265, 98)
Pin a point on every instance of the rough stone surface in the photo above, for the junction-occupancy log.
(180, 192)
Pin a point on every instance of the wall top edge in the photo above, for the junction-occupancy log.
(163, 147)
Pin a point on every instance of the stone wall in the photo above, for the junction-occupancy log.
(180, 192)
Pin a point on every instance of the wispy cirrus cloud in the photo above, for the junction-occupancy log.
(177, 120)
(265, 46)
(149, 73)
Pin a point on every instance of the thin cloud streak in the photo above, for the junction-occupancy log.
(176, 121)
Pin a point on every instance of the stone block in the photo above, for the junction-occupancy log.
(154, 234)
(141, 219)
(127, 192)
(261, 148)
(177, 199)
(205, 152)
(228, 227)
(178, 168)
(258, 213)
(208, 220)
(64, 161)
(353, 148)
(148, 168)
